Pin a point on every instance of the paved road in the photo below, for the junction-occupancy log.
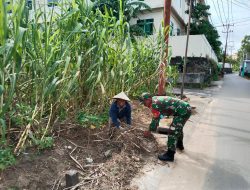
(231, 121)
(217, 151)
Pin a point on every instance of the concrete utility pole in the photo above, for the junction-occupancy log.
(225, 51)
(186, 51)
(162, 79)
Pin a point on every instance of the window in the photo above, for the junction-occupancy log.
(147, 25)
(171, 28)
(29, 4)
(52, 3)
(178, 32)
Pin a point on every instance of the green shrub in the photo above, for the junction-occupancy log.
(6, 158)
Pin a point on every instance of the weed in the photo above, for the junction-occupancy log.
(6, 158)
(87, 119)
(45, 143)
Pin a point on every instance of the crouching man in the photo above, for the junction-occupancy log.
(120, 111)
(168, 106)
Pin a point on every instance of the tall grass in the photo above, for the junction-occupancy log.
(58, 63)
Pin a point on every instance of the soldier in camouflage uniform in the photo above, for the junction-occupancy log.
(168, 106)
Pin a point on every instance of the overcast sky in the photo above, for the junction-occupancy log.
(235, 12)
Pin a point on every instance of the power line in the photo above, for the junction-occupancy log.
(232, 20)
(228, 7)
(223, 11)
(232, 10)
(242, 3)
(217, 12)
(225, 51)
(238, 24)
(239, 5)
(246, 19)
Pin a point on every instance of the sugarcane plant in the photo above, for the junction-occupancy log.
(75, 59)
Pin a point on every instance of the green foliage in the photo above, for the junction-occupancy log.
(215, 70)
(201, 25)
(173, 74)
(3, 132)
(21, 114)
(6, 158)
(245, 48)
(87, 119)
(45, 143)
(245, 44)
(130, 8)
(54, 64)
(235, 63)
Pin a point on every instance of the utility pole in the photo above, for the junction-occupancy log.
(186, 51)
(162, 77)
(225, 51)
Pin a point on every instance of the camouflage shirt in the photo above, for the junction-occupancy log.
(167, 106)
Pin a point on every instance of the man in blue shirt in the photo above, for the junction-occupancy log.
(120, 111)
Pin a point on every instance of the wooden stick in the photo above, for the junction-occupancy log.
(76, 145)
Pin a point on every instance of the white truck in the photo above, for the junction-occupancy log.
(227, 68)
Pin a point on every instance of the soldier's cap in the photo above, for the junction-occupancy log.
(144, 96)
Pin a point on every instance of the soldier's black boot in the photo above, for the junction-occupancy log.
(179, 145)
(167, 156)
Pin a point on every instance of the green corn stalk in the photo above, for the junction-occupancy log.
(74, 60)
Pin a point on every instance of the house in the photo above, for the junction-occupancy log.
(201, 57)
(152, 19)
(45, 6)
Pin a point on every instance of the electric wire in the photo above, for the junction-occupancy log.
(217, 12)
(218, 5)
(223, 10)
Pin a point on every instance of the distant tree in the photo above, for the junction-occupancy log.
(235, 62)
(245, 47)
(201, 25)
(131, 8)
(245, 44)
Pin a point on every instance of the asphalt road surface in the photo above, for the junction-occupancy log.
(231, 121)
(217, 150)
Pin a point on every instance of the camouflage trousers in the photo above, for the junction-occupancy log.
(177, 130)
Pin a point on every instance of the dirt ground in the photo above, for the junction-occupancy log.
(102, 162)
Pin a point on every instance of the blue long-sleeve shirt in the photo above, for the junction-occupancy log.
(119, 113)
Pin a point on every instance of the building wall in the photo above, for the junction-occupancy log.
(179, 5)
(198, 47)
(157, 14)
(43, 6)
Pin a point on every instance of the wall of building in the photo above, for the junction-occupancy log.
(198, 46)
(155, 3)
(157, 14)
(42, 5)
(181, 6)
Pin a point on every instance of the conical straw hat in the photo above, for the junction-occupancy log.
(122, 96)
